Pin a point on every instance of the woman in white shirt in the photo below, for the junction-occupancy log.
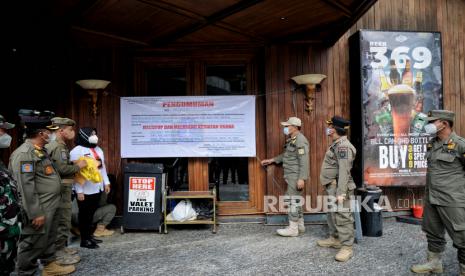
(88, 195)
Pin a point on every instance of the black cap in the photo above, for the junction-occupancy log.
(34, 120)
(339, 122)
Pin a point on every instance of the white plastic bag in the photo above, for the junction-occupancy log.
(184, 211)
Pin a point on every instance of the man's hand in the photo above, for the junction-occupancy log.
(300, 184)
(266, 162)
(80, 196)
(340, 199)
(107, 189)
(81, 163)
(38, 222)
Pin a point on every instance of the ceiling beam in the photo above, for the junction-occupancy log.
(335, 29)
(112, 36)
(339, 6)
(207, 21)
(169, 7)
(310, 33)
(78, 11)
(360, 10)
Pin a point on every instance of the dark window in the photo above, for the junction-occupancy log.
(170, 81)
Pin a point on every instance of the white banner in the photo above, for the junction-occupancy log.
(197, 126)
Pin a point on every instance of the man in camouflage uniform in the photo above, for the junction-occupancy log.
(59, 153)
(336, 178)
(444, 208)
(9, 208)
(39, 184)
(295, 161)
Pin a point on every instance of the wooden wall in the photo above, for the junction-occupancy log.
(285, 61)
(48, 69)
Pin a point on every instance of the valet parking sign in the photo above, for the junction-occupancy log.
(141, 195)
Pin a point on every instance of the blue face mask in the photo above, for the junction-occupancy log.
(286, 130)
(5, 141)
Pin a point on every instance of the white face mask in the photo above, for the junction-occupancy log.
(93, 139)
(48, 140)
(5, 141)
(329, 131)
(286, 131)
(431, 129)
(52, 137)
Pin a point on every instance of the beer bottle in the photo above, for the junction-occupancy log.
(407, 76)
(384, 120)
(394, 74)
(419, 92)
(384, 83)
(419, 121)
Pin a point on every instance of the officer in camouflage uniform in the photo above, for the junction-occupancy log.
(336, 178)
(39, 185)
(444, 208)
(59, 153)
(9, 208)
(295, 159)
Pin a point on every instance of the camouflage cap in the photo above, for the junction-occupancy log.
(4, 124)
(292, 121)
(59, 121)
(441, 114)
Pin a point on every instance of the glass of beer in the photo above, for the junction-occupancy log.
(402, 99)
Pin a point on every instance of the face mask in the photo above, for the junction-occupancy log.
(329, 131)
(5, 141)
(286, 130)
(52, 137)
(431, 129)
(47, 140)
(93, 139)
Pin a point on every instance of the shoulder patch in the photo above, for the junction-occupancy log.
(301, 151)
(27, 167)
(64, 156)
(342, 152)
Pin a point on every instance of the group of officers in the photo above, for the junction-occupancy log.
(38, 180)
(444, 208)
(35, 193)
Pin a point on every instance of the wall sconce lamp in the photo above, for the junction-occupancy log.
(310, 81)
(93, 87)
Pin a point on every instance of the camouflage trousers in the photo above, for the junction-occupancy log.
(8, 251)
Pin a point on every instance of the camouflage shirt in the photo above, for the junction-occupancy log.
(9, 212)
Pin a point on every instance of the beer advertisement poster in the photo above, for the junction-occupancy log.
(401, 80)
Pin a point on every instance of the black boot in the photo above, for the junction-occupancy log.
(89, 244)
(92, 238)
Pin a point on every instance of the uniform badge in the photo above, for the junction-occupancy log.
(301, 151)
(27, 167)
(48, 170)
(451, 146)
(342, 152)
(39, 153)
(429, 146)
(64, 156)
